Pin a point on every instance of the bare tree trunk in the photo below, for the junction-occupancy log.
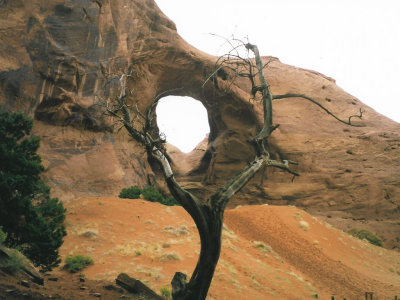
(208, 215)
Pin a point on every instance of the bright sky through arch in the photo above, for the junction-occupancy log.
(355, 42)
(183, 120)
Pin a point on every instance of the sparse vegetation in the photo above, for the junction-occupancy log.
(149, 193)
(3, 235)
(367, 235)
(263, 248)
(76, 263)
(181, 230)
(304, 225)
(170, 256)
(165, 292)
(14, 262)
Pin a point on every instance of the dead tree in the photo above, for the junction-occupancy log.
(207, 214)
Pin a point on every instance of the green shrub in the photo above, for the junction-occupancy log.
(170, 201)
(152, 194)
(165, 292)
(149, 193)
(132, 192)
(14, 262)
(76, 263)
(3, 235)
(363, 234)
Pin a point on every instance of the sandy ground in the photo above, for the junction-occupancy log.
(268, 252)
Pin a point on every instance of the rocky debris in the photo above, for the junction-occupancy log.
(97, 295)
(24, 283)
(67, 287)
(53, 278)
(136, 286)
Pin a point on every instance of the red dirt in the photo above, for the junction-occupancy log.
(265, 254)
(268, 252)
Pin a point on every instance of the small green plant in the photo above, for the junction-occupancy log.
(132, 192)
(363, 234)
(76, 263)
(165, 292)
(3, 235)
(170, 256)
(169, 201)
(14, 263)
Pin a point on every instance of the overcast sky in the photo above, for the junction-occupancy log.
(356, 42)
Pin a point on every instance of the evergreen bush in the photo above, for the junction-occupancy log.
(152, 194)
(33, 221)
(132, 192)
(149, 193)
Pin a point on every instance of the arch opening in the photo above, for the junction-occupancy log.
(183, 120)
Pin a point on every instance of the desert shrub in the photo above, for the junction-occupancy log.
(169, 201)
(3, 235)
(363, 234)
(165, 292)
(132, 192)
(149, 193)
(13, 263)
(152, 194)
(76, 263)
(170, 256)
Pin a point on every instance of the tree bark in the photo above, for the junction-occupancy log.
(208, 215)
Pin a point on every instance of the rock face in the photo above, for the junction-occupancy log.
(57, 60)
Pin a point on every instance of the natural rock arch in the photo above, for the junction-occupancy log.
(57, 84)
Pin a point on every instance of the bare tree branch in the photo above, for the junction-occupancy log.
(208, 215)
(290, 95)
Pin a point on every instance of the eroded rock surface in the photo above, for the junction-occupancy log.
(56, 59)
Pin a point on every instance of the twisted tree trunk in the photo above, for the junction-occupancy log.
(208, 215)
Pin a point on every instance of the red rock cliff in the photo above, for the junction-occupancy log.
(53, 57)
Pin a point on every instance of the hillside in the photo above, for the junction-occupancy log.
(268, 252)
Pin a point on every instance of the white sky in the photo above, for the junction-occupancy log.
(183, 120)
(356, 42)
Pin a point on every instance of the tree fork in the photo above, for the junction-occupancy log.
(208, 215)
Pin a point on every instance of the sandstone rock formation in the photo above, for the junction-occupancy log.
(53, 60)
